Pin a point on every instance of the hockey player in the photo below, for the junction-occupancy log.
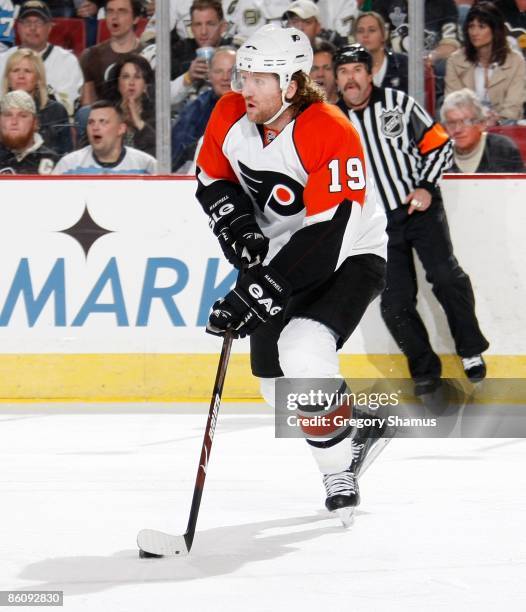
(281, 175)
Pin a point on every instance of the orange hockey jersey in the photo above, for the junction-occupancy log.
(311, 174)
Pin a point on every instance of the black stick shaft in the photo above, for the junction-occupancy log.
(208, 439)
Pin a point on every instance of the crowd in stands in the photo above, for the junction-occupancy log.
(90, 108)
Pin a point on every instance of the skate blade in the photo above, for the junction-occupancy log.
(158, 544)
(346, 516)
(376, 449)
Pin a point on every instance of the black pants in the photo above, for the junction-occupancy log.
(428, 234)
(339, 303)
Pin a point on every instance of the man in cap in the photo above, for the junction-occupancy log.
(22, 149)
(306, 16)
(63, 71)
(407, 152)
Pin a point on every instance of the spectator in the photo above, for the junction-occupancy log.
(194, 117)
(179, 24)
(475, 150)
(63, 71)
(305, 16)
(106, 153)
(441, 25)
(514, 13)
(441, 36)
(406, 152)
(22, 149)
(339, 16)
(130, 85)
(190, 72)
(179, 20)
(25, 70)
(389, 68)
(322, 71)
(121, 17)
(488, 66)
(247, 16)
(6, 25)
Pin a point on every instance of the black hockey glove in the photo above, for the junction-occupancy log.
(260, 294)
(250, 243)
(232, 220)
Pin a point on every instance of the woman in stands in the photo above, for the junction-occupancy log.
(488, 66)
(389, 68)
(25, 70)
(130, 85)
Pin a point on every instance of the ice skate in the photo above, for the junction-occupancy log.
(343, 494)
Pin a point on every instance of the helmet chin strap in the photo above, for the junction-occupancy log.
(284, 106)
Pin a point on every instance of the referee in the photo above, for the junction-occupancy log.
(407, 153)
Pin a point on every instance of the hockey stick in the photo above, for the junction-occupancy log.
(158, 544)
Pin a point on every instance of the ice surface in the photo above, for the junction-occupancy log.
(441, 525)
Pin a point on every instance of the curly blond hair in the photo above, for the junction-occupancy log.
(308, 92)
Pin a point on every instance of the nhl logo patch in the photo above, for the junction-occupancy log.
(392, 123)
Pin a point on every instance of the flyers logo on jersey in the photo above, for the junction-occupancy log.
(281, 193)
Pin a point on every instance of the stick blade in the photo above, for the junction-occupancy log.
(158, 544)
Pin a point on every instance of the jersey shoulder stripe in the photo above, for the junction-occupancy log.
(435, 137)
(331, 153)
(320, 129)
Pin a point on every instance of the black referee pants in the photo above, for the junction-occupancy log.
(428, 234)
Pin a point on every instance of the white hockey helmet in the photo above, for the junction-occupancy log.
(280, 51)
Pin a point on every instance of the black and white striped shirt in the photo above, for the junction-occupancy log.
(405, 148)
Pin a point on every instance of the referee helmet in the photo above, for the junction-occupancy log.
(354, 54)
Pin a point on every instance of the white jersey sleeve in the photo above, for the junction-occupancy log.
(247, 16)
(338, 15)
(65, 76)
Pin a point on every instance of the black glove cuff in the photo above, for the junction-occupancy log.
(242, 221)
(268, 291)
(274, 282)
(225, 201)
